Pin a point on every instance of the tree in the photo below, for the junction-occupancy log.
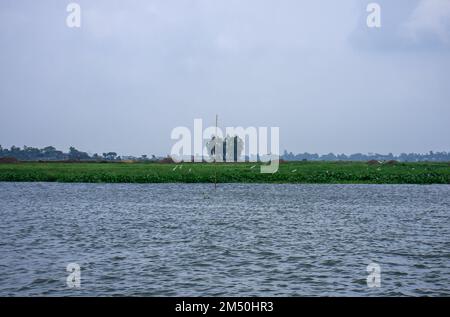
(233, 148)
(110, 156)
(215, 148)
(228, 150)
(76, 155)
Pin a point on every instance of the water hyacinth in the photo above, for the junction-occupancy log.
(289, 172)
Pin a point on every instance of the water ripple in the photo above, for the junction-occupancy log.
(241, 240)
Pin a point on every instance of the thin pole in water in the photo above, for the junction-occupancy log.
(215, 153)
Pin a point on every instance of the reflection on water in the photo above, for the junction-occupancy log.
(189, 240)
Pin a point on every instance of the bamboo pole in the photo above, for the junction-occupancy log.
(215, 154)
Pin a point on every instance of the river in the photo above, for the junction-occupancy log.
(238, 240)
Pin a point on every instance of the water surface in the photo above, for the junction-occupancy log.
(241, 240)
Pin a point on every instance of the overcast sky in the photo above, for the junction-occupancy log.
(137, 69)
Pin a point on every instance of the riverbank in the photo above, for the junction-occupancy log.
(289, 172)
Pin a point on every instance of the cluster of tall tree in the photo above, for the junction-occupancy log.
(225, 150)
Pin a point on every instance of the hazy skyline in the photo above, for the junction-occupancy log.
(137, 69)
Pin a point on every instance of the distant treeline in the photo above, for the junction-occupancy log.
(50, 153)
(403, 157)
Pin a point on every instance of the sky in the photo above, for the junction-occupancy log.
(135, 70)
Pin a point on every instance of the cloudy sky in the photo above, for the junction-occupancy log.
(137, 69)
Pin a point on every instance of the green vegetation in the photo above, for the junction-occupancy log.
(290, 172)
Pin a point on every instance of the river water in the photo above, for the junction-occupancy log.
(240, 240)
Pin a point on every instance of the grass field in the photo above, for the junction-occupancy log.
(292, 172)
